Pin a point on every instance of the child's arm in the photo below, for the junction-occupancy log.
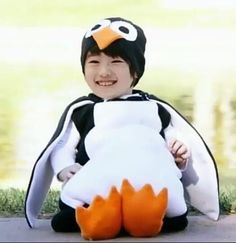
(63, 155)
(178, 147)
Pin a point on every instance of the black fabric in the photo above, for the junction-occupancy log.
(165, 118)
(65, 221)
(29, 204)
(54, 136)
(62, 120)
(184, 118)
(84, 122)
(174, 224)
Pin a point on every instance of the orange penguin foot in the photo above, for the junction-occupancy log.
(142, 210)
(102, 219)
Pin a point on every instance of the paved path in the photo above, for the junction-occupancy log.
(200, 229)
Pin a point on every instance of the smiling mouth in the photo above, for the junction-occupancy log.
(106, 83)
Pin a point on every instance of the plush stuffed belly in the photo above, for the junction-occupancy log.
(137, 153)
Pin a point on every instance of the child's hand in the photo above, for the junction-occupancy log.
(180, 152)
(65, 174)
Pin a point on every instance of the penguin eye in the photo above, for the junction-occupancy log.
(126, 30)
(100, 25)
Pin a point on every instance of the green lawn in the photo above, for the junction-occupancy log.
(12, 202)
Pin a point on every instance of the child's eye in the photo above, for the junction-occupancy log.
(93, 61)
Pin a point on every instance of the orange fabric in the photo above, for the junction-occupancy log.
(105, 37)
(102, 219)
(142, 210)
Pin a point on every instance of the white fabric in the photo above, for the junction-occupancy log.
(42, 174)
(200, 177)
(63, 154)
(125, 144)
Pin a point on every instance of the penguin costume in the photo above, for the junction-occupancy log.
(128, 174)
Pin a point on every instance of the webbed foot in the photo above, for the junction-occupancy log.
(142, 210)
(102, 219)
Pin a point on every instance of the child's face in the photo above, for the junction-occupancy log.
(106, 76)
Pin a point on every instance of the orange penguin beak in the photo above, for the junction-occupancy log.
(105, 37)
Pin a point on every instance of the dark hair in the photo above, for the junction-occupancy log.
(116, 50)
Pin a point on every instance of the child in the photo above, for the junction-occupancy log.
(112, 58)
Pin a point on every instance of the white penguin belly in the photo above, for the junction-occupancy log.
(134, 152)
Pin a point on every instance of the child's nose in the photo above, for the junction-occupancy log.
(105, 70)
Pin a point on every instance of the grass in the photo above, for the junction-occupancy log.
(12, 202)
(228, 201)
(228, 190)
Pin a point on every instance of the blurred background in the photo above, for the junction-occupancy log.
(191, 63)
